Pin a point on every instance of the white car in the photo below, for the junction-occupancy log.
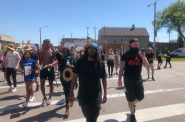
(178, 53)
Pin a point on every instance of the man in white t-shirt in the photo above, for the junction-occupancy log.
(12, 64)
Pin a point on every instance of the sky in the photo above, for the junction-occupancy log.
(22, 19)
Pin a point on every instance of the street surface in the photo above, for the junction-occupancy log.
(164, 101)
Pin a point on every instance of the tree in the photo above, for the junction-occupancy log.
(180, 41)
(172, 18)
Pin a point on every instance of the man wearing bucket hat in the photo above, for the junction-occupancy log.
(12, 63)
(131, 64)
(90, 71)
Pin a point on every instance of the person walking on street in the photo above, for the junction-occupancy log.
(159, 59)
(110, 62)
(47, 61)
(150, 58)
(116, 58)
(66, 61)
(35, 57)
(12, 66)
(90, 71)
(168, 59)
(28, 66)
(131, 65)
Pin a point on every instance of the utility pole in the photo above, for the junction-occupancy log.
(94, 33)
(87, 32)
(155, 30)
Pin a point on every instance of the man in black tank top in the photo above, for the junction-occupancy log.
(131, 64)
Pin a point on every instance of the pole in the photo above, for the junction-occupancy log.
(95, 33)
(155, 31)
(40, 37)
(87, 32)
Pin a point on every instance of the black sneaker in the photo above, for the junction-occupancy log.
(44, 102)
(153, 79)
(133, 118)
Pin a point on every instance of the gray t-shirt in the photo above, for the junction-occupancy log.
(12, 59)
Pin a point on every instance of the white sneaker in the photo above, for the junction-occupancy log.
(14, 90)
(31, 98)
(25, 105)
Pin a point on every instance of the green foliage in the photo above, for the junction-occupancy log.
(172, 18)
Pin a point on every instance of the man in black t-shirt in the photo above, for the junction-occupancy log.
(90, 71)
(150, 57)
(131, 63)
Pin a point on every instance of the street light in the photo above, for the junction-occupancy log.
(155, 31)
(40, 30)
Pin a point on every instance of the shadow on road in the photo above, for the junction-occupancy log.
(44, 116)
(13, 97)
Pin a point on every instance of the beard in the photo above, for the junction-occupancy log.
(134, 50)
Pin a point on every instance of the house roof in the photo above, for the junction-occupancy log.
(122, 31)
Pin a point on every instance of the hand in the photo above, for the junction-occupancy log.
(50, 65)
(16, 68)
(119, 83)
(104, 98)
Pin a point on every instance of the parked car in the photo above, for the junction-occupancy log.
(178, 53)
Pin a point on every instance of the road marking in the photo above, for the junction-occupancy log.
(147, 92)
(109, 96)
(12, 107)
(142, 115)
(58, 81)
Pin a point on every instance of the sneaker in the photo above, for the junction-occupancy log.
(133, 118)
(44, 101)
(153, 79)
(25, 105)
(10, 89)
(31, 98)
(49, 102)
(148, 78)
(66, 113)
(37, 88)
(14, 89)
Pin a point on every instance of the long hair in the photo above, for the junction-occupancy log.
(96, 59)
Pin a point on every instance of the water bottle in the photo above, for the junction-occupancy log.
(68, 62)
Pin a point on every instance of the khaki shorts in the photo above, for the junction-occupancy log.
(151, 66)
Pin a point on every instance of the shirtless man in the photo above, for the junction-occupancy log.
(47, 61)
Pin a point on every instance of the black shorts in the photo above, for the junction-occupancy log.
(46, 74)
(134, 89)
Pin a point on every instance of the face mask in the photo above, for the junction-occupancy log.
(134, 50)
